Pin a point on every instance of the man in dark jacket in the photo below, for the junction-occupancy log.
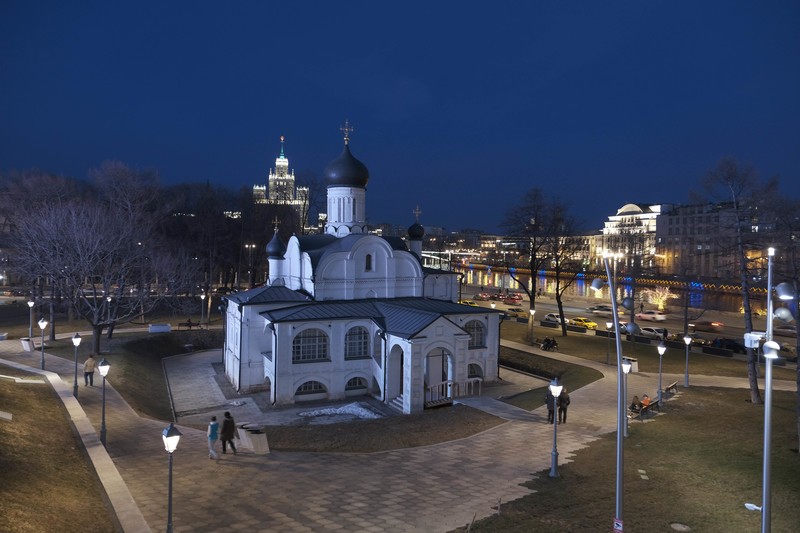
(563, 403)
(227, 433)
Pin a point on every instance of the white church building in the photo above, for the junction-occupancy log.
(348, 313)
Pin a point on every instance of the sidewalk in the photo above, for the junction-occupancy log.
(434, 488)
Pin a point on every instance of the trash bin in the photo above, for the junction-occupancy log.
(27, 344)
(244, 437)
(258, 441)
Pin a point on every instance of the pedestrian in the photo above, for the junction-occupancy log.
(563, 403)
(227, 432)
(88, 371)
(551, 402)
(213, 436)
(641, 307)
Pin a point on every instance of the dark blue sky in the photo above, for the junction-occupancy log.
(459, 107)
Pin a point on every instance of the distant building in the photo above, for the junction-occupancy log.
(350, 313)
(280, 189)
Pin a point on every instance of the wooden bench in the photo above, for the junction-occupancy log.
(646, 410)
(189, 325)
(672, 388)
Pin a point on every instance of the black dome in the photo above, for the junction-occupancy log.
(276, 248)
(346, 171)
(416, 231)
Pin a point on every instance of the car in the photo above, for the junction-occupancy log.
(730, 344)
(482, 296)
(497, 296)
(653, 333)
(651, 314)
(517, 312)
(713, 326)
(584, 322)
(697, 340)
(554, 317)
(604, 310)
(469, 302)
(513, 298)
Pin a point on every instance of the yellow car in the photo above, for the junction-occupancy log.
(584, 322)
(469, 302)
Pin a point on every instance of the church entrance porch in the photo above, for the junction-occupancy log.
(440, 386)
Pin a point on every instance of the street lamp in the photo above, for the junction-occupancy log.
(43, 325)
(108, 299)
(76, 341)
(171, 437)
(202, 305)
(103, 367)
(622, 416)
(688, 341)
(31, 303)
(609, 325)
(626, 368)
(661, 349)
(555, 390)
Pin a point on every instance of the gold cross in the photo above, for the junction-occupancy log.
(347, 129)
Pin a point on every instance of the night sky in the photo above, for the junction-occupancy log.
(458, 107)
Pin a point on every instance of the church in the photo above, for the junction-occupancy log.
(348, 313)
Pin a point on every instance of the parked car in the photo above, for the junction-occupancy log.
(653, 333)
(729, 344)
(604, 310)
(584, 322)
(707, 325)
(482, 296)
(554, 317)
(651, 314)
(513, 298)
(697, 340)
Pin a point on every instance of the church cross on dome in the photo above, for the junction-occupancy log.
(276, 221)
(347, 129)
(417, 212)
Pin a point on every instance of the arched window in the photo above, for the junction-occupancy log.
(356, 343)
(356, 384)
(311, 387)
(477, 334)
(368, 263)
(474, 371)
(310, 345)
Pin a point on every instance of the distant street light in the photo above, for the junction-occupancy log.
(688, 340)
(103, 367)
(31, 303)
(202, 306)
(626, 368)
(609, 325)
(661, 349)
(43, 325)
(555, 390)
(76, 341)
(171, 437)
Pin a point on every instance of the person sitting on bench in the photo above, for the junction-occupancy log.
(645, 400)
(636, 405)
(549, 344)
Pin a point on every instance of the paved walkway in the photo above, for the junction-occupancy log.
(429, 489)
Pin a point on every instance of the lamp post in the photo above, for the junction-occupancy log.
(609, 325)
(43, 325)
(622, 416)
(76, 341)
(31, 303)
(108, 299)
(171, 437)
(688, 341)
(661, 349)
(626, 368)
(103, 367)
(202, 305)
(555, 390)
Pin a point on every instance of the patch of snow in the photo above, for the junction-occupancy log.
(352, 409)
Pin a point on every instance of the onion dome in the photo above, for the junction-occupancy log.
(276, 249)
(416, 231)
(346, 171)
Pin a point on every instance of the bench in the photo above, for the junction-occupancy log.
(159, 328)
(189, 325)
(672, 388)
(646, 410)
(539, 343)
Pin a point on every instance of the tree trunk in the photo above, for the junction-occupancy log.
(97, 332)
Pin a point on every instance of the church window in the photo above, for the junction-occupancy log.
(356, 343)
(474, 371)
(368, 263)
(477, 334)
(311, 387)
(310, 345)
(355, 384)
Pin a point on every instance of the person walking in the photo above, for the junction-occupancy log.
(227, 432)
(563, 403)
(213, 436)
(551, 403)
(88, 371)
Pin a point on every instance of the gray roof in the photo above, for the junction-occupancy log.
(271, 294)
(318, 246)
(404, 317)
